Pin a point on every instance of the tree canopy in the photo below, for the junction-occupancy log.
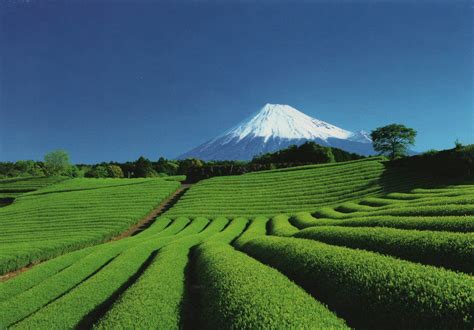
(393, 140)
(307, 153)
(57, 162)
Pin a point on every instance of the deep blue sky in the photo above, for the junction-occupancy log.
(113, 80)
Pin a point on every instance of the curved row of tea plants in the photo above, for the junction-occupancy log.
(450, 250)
(156, 299)
(370, 290)
(439, 209)
(29, 292)
(28, 183)
(239, 292)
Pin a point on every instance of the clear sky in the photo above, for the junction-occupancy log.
(113, 80)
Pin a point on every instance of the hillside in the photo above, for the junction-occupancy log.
(362, 244)
(294, 189)
(72, 214)
(14, 187)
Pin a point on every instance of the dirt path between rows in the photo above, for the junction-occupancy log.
(140, 226)
(151, 217)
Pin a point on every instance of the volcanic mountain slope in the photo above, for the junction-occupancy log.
(274, 127)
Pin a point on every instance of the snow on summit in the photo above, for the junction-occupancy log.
(284, 121)
(274, 127)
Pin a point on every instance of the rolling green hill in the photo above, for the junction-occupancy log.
(294, 189)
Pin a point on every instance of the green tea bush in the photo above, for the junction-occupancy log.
(256, 228)
(238, 292)
(450, 250)
(462, 224)
(371, 290)
(29, 293)
(279, 225)
(155, 299)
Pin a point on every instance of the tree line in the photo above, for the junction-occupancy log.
(392, 141)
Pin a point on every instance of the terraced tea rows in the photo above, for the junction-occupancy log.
(142, 280)
(441, 209)
(73, 214)
(371, 257)
(12, 188)
(293, 190)
(370, 290)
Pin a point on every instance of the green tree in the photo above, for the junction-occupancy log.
(186, 164)
(114, 171)
(74, 172)
(97, 171)
(28, 168)
(393, 140)
(57, 162)
(144, 168)
(310, 152)
(166, 166)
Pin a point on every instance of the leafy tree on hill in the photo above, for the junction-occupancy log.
(114, 171)
(57, 163)
(169, 167)
(457, 144)
(74, 172)
(188, 163)
(144, 168)
(27, 168)
(393, 140)
(308, 152)
(98, 171)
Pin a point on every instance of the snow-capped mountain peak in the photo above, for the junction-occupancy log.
(284, 121)
(361, 136)
(276, 126)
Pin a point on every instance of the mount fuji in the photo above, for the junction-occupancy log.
(274, 127)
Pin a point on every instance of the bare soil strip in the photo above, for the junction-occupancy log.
(151, 217)
(14, 273)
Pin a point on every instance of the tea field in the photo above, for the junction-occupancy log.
(345, 245)
(12, 188)
(71, 214)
